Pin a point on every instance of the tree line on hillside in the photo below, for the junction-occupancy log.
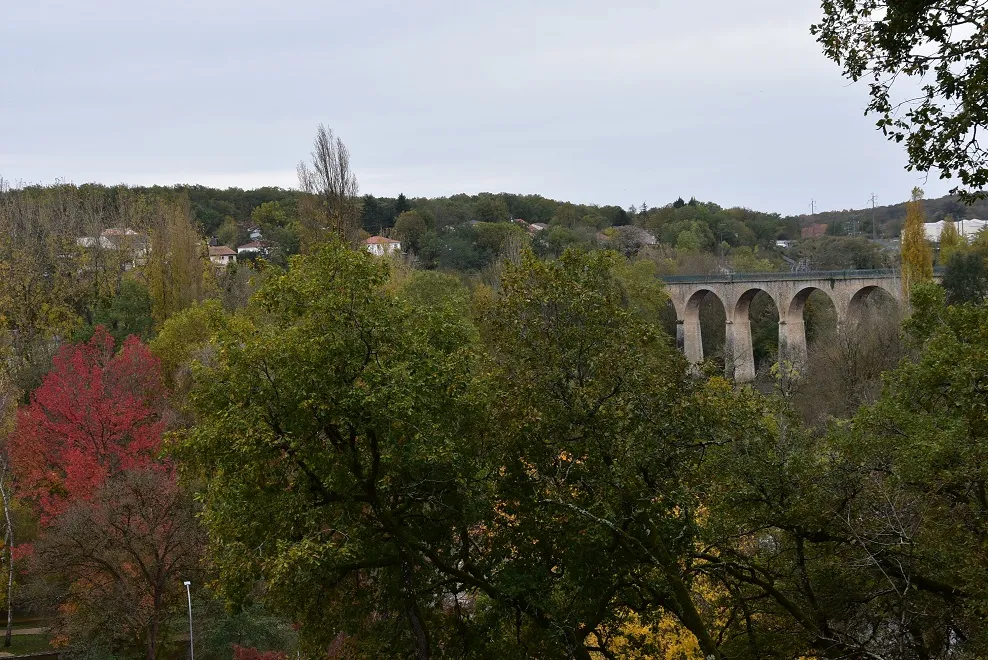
(213, 207)
(129, 258)
(227, 214)
(468, 234)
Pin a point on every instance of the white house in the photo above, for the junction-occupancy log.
(381, 246)
(119, 239)
(115, 238)
(221, 255)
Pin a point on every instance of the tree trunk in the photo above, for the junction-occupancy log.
(8, 551)
(153, 628)
(152, 637)
(580, 652)
(419, 634)
(689, 616)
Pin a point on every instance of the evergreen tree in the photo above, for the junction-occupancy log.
(401, 205)
(370, 215)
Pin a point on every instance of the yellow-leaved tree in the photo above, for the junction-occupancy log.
(175, 266)
(950, 240)
(917, 256)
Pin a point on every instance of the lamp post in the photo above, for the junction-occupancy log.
(192, 647)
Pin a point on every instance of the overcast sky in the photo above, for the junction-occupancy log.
(595, 102)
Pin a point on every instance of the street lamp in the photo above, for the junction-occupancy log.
(192, 647)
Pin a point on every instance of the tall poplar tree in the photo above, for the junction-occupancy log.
(176, 266)
(917, 257)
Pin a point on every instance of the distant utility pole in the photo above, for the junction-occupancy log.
(812, 208)
(874, 230)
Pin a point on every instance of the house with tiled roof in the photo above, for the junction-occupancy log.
(380, 245)
(222, 255)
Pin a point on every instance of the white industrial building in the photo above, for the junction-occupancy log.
(967, 228)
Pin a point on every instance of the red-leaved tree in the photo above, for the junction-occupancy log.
(117, 535)
(96, 413)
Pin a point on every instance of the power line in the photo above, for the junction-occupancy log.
(874, 230)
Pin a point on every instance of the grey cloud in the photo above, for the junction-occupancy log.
(588, 101)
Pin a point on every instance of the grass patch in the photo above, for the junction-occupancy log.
(24, 644)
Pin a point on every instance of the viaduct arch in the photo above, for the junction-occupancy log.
(848, 290)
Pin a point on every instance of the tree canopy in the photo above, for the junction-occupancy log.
(404, 457)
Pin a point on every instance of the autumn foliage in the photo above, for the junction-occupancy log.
(917, 257)
(96, 413)
(118, 534)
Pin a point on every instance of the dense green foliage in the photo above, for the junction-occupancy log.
(536, 473)
(364, 401)
(966, 278)
(401, 460)
(835, 253)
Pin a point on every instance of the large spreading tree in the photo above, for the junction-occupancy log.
(425, 487)
(334, 425)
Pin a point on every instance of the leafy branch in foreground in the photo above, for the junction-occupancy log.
(927, 66)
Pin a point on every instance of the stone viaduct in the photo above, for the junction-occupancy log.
(847, 289)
